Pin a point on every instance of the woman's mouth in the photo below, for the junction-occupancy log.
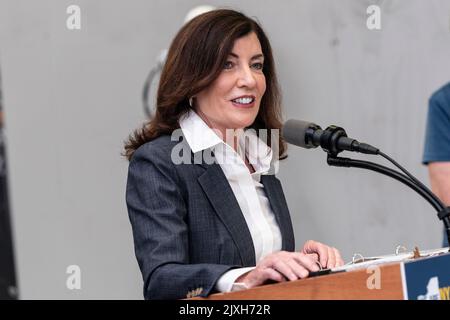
(244, 102)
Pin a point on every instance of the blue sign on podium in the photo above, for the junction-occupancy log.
(427, 278)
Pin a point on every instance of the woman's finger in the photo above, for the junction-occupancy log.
(285, 270)
(308, 261)
(319, 248)
(331, 262)
(314, 256)
(272, 274)
(299, 270)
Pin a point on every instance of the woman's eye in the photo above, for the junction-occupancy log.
(228, 65)
(258, 66)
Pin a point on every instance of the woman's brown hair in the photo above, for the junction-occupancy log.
(195, 59)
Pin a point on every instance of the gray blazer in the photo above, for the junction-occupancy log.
(187, 225)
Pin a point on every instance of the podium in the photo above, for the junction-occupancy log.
(422, 278)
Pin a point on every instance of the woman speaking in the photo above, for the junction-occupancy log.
(203, 226)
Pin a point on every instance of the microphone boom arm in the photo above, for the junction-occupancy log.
(436, 203)
(353, 163)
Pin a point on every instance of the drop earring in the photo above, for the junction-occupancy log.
(191, 101)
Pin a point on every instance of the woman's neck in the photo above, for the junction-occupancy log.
(229, 136)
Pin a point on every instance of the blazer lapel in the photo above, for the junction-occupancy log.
(274, 193)
(220, 194)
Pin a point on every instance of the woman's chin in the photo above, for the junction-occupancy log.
(244, 124)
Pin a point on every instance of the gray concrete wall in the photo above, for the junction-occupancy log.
(72, 97)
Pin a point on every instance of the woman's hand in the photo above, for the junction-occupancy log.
(328, 257)
(280, 266)
(284, 266)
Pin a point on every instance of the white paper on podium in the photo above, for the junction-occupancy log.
(378, 260)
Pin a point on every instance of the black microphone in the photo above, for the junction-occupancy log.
(332, 140)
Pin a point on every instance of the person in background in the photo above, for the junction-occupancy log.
(437, 145)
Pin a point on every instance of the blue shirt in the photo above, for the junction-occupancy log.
(437, 136)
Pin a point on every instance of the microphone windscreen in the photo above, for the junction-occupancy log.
(294, 132)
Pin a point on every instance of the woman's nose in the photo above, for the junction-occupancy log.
(246, 78)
